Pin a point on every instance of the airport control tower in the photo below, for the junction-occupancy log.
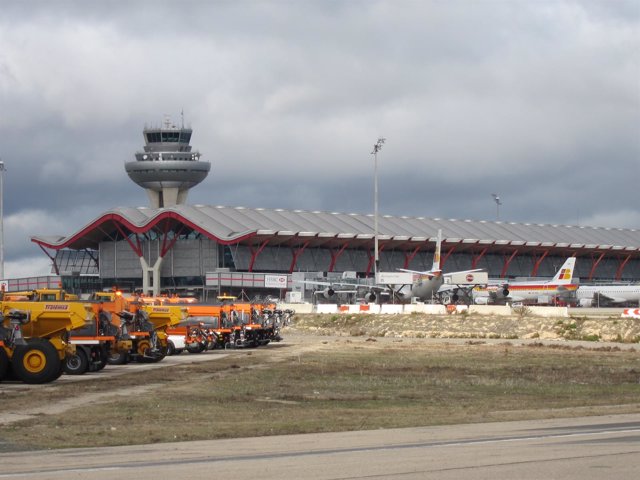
(167, 168)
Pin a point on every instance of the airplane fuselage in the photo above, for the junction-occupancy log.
(608, 294)
(424, 288)
(527, 292)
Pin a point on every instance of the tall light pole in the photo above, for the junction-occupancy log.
(496, 199)
(2, 169)
(376, 148)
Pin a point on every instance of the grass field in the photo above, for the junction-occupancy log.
(318, 384)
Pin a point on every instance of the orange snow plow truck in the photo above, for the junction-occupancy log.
(144, 324)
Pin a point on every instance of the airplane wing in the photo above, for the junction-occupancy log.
(429, 273)
(515, 298)
(323, 292)
(608, 298)
(382, 288)
(462, 272)
(309, 282)
(329, 289)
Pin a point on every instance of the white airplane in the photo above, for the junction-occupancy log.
(530, 291)
(602, 295)
(426, 284)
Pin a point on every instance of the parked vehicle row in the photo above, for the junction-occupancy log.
(230, 325)
(46, 333)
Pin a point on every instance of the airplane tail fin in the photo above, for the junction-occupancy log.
(565, 274)
(436, 254)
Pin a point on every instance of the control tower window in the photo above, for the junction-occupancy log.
(153, 137)
(170, 136)
(185, 137)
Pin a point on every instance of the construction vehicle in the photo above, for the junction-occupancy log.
(198, 332)
(248, 330)
(142, 320)
(188, 335)
(95, 343)
(273, 319)
(235, 325)
(176, 341)
(34, 338)
(227, 325)
(40, 295)
(147, 326)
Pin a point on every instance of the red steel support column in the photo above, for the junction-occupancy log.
(476, 259)
(595, 265)
(53, 260)
(444, 259)
(411, 256)
(335, 256)
(254, 255)
(536, 266)
(507, 262)
(166, 246)
(372, 258)
(621, 267)
(296, 253)
(136, 248)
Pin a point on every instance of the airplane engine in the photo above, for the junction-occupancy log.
(502, 292)
(586, 302)
(328, 292)
(370, 297)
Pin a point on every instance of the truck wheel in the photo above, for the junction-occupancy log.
(76, 364)
(36, 362)
(197, 348)
(143, 347)
(171, 348)
(145, 354)
(4, 363)
(60, 371)
(104, 359)
(118, 358)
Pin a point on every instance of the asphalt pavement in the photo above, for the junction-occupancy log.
(587, 448)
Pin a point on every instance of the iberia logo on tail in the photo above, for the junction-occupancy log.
(565, 274)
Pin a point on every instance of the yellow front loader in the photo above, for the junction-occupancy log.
(34, 337)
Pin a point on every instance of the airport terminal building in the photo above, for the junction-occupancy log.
(175, 247)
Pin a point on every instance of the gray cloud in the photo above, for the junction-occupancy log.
(538, 101)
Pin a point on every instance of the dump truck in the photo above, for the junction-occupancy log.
(34, 338)
(94, 342)
(40, 295)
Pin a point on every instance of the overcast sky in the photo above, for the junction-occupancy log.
(537, 101)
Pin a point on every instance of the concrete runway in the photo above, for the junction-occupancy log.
(586, 448)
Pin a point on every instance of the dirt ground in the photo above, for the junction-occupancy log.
(524, 326)
(30, 407)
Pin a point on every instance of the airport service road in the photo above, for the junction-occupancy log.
(587, 448)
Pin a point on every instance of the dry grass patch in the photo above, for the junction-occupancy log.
(339, 385)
